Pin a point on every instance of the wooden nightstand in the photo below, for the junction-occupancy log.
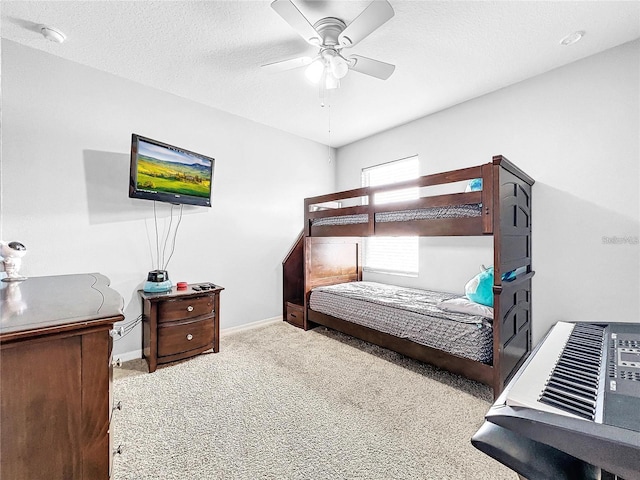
(180, 323)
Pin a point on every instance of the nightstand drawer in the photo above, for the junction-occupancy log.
(184, 336)
(183, 308)
(295, 314)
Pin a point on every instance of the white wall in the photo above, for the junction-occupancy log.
(66, 133)
(65, 155)
(575, 130)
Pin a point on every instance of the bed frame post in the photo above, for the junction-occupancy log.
(512, 250)
(497, 282)
(488, 209)
(307, 220)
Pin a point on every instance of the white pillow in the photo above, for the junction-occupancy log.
(464, 305)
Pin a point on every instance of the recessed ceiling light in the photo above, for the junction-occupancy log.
(52, 34)
(572, 38)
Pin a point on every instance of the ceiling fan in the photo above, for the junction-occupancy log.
(331, 36)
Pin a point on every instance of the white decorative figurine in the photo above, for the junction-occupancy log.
(12, 253)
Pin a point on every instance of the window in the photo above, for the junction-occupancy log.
(396, 255)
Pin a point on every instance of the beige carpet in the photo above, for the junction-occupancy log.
(280, 403)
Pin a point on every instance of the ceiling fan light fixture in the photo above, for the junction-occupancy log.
(331, 35)
(314, 71)
(331, 82)
(338, 66)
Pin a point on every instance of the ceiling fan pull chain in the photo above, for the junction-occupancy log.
(329, 142)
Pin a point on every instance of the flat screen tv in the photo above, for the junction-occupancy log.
(169, 174)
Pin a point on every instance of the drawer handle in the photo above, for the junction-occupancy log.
(189, 336)
(118, 451)
(293, 315)
(189, 308)
(116, 363)
(117, 406)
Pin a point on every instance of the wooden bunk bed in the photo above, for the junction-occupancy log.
(328, 252)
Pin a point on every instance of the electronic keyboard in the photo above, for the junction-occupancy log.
(576, 400)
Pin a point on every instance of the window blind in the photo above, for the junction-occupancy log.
(396, 255)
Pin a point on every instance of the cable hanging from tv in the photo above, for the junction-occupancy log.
(160, 256)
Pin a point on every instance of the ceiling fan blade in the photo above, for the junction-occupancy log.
(284, 65)
(290, 14)
(377, 13)
(372, 67)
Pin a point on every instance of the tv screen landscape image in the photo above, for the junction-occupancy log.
(162, 172)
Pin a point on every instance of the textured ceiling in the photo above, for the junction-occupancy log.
(445, 52)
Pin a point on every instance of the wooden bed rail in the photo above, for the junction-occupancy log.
(444, 178)
(479, 226)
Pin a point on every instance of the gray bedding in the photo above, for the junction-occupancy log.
(408, 313)
(454, 211)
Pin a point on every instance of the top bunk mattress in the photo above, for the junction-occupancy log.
(452, 211)
(408, 313)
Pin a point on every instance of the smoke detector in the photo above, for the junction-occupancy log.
(572, 38)
(52, 34)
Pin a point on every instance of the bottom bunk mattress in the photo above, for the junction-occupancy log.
(408, 313)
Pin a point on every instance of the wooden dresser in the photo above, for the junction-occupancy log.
(55, 377)
(180, 323)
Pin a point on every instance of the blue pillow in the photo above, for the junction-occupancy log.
(480, 288)
(474, 185)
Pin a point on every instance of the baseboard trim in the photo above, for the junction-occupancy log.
(248, 326)
(135, 354)
(126, 356)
